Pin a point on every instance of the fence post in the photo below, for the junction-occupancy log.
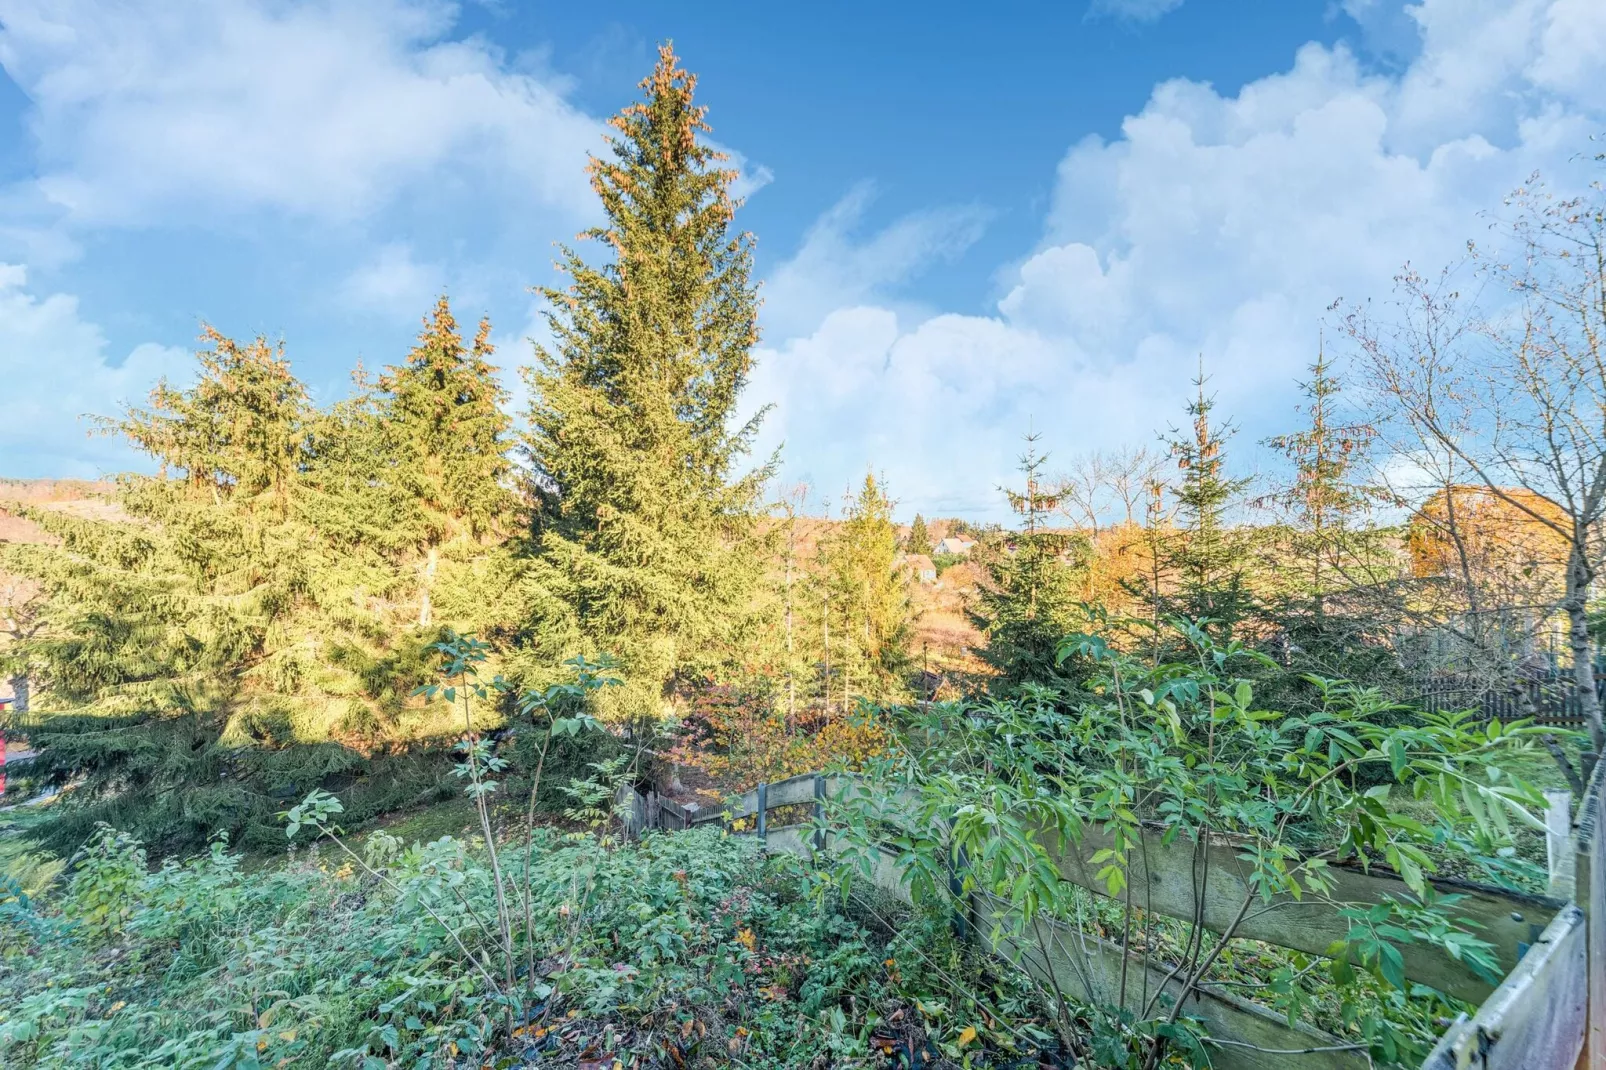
(763, 802)
(956, 886)
(819, 811)
(1560, 855)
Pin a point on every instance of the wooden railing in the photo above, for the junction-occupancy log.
(1548, 1013)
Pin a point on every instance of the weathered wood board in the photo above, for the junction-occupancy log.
(1535, 1019)
(1548, 1012)
(1168, 875)
(1589, 880)
(1164, 877)
(1088, 968)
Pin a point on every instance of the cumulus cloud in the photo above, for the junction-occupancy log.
(56, 371)
(370, 141)
(1215, 226)
(320, 110)
(835, 267)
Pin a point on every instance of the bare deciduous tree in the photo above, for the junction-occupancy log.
(1517, 395)
(1103, 483)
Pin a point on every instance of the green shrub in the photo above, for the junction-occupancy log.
(692, 947)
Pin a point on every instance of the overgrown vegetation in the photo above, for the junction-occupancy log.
(687, 950)
(311, 616)
(990, 797)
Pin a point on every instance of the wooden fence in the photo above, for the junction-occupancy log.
(1548, 1013)
(1547, 701)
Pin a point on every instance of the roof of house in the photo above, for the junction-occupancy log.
(920, 563)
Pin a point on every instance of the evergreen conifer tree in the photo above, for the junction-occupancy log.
(866, 601)
(157, 623)
(444, 406)
(919, 541)
(219, 641)
(1029, 602)
(642, 517)
(1208, 564)
(1326, 506)
(1337, 594)
(442, 409)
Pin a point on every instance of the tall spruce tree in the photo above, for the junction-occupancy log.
(1207, 561)
(1339, 593)
(1326, 507)
(444, 406)
(1029, 602)
(159, 622)
(443, 410)
(642, 517)
(241, 628)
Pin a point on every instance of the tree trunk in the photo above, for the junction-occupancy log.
(425, 609)
(1578, 577)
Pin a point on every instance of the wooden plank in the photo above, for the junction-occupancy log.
(788, 792)
(1163, 878)
(792, 791)
(1088, 968)
(1535, 1019)
(789, 840)
(1589, 890)
(671, 815)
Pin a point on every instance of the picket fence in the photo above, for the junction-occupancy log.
(1548, 1013)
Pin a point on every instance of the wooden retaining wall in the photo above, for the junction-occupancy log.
(1548, 1013)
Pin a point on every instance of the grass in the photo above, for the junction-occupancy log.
(32, 869)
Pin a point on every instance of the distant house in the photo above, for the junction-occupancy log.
(921, 567)
(952, 546)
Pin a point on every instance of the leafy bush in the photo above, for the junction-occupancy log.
(691, 949)
(1186, 750)
(687, 950)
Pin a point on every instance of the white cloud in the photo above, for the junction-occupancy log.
(55, 370)
(832, 269)
(326, 110)
(322, 110)
(394, 283)
(1133, 10)
(1221, 226)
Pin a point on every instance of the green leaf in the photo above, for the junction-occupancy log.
(1392, 964)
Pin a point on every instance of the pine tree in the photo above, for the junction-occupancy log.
(641, 514)
(240, 629)
(867, 605)
(445, 406)
(1337, 596)
(238, 432)
(919, 541)
(1325, 504)
(443, 410)
(1207, 562)
(160, 622)
(1029, 602)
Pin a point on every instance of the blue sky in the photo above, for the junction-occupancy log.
(969, 222)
